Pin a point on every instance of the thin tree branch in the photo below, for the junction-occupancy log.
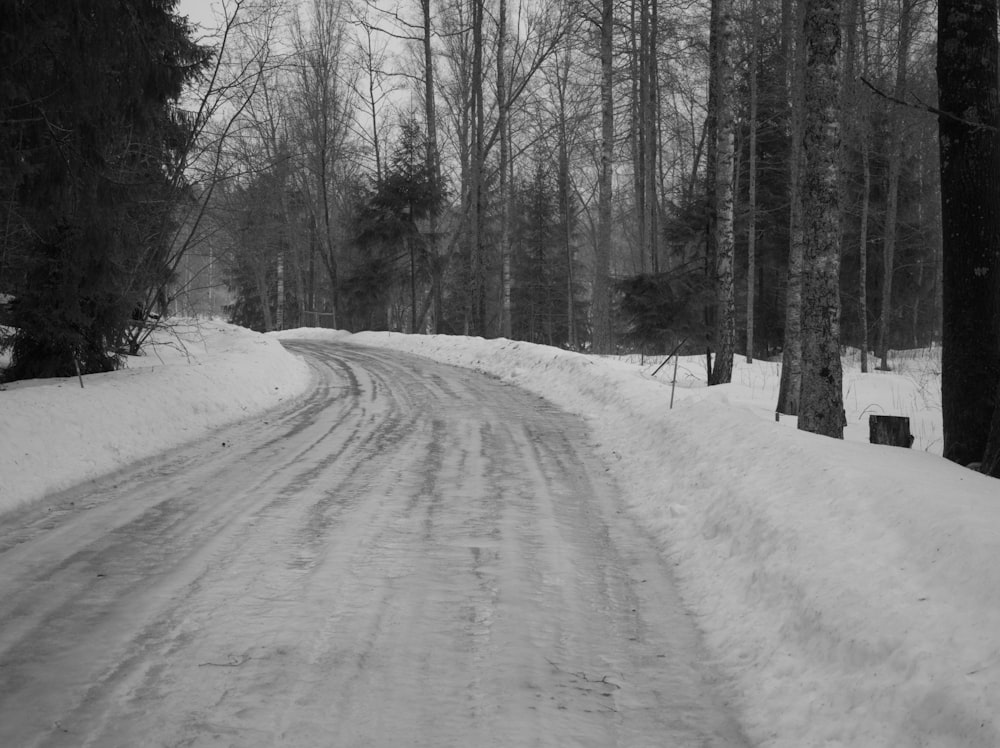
(921, 106)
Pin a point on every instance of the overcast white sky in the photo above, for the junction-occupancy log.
(199, 11)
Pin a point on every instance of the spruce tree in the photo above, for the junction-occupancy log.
(91, 146)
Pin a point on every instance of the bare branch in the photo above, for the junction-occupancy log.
(921, 106)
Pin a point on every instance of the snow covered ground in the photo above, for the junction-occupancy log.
(850, 591)
(196, 376)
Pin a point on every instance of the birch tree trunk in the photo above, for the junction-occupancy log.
(821, 407)
(725, 329)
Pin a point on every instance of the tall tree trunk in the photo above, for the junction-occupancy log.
(280, 157)
(711, 139)
(432, 165)
(464, 135)
(821, 408)
(371, 100)
(601, 290)
(330, 255)
(565, 199)
(991, 453)
(650, 137)
(866, 169)
(279, 303)
(637, 132)
(725, 329)
(896, 124)
(477, 292)
(263, 292)
(791, 25)
(855, 127)
(503, 128)
(789, 388)
(970, 218)
(752, 185)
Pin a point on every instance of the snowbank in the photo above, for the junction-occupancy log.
(195, 377)
(851, 591)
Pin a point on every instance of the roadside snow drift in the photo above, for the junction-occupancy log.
(196, 376)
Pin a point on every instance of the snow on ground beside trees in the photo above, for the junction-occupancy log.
(194, 377)
(851, 592)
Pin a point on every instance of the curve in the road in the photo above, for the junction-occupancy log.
(410, 555)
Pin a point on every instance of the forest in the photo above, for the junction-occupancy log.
(495, 118)
(710, 176)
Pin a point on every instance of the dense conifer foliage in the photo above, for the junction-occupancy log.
(90, 147)
(664, 310)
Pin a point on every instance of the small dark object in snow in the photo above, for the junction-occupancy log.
(891, 430)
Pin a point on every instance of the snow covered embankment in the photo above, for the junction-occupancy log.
(852, 591)
(195, 377)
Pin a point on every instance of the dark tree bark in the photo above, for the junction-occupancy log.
(790, 386)
(860, 130)
(710, 139)
(991, 457)
(639, 22)
(752, 177)
(821, 406)
(650, 139)
(475, 311)
(970, 218)
(866, 189)
(503, 106)
(896, 125)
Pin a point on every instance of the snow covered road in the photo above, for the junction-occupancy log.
(412, 555)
